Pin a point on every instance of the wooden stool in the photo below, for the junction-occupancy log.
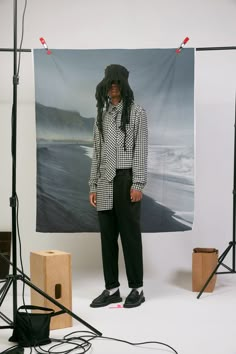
(204, 261)
(51, 272)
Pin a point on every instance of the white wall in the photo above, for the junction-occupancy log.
(127, 24)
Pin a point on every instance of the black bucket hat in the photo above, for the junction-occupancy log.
(114, 73)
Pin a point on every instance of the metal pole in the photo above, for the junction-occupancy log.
(13, 199)
(215, 48)
(12, 50)
(233, 260)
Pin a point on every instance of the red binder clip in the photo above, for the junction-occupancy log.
(42, 40)
(182, 45)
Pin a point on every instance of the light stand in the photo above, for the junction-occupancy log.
(11, 280)
(232, 243)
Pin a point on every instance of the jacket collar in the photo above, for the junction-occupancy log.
(118, 108)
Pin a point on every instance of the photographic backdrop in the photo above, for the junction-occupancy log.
(65, 82)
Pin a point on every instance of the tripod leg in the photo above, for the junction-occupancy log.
(7, 320)
(9, 262)
(3, 292)
(220, 260)
(4, 289)
(63, 308)
(224, 254)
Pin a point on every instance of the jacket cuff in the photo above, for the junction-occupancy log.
(93, 188)
(138, 186)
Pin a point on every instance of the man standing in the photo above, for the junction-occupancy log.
(118, 176)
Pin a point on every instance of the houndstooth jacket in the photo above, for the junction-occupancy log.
(134, 157)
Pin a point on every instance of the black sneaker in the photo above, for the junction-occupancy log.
(105, 299)
(134, 299)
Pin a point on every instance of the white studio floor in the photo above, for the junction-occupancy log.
(172, 314)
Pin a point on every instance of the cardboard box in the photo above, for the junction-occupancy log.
(204, 261)
(51, 272)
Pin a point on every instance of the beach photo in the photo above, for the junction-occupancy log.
(65, 82)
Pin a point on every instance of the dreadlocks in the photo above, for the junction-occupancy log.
(117, 74)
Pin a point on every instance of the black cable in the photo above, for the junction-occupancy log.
(21, 261)
(20, 248)
(16, 349)
(83, 345)
(140, 343)
(81, 340)
(15, 197)
(22, 35)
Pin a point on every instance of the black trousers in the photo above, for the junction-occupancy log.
(123, 220)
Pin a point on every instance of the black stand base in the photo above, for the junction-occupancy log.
(11, 279)
(220, 263)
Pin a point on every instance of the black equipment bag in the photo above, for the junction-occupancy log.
(32, 328)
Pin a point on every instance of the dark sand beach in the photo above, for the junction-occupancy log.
(62, 194)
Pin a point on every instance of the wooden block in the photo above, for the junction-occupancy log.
(204, 261)
(51, 272)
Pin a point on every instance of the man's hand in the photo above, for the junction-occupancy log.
(93, 199)
(135, 195)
